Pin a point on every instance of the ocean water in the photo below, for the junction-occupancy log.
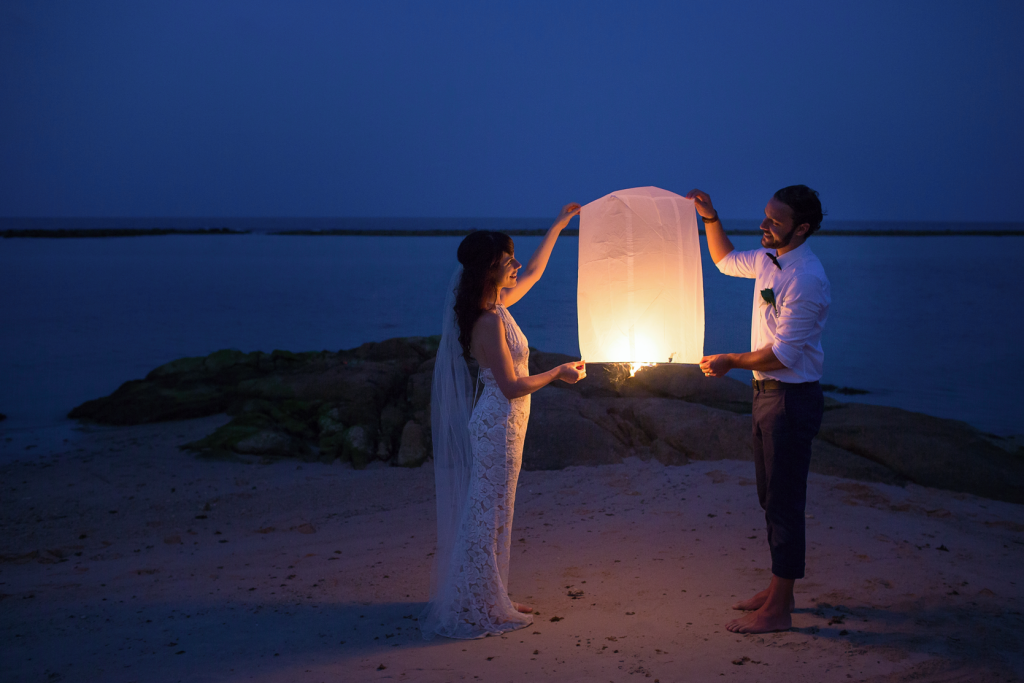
(928, 324)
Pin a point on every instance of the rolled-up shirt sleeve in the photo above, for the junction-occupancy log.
(800, 321)
(739, 263)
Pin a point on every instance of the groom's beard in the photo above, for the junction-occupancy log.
(768, 241)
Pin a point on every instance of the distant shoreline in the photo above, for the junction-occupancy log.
(520, 232)
(62, 233)
(575, 233)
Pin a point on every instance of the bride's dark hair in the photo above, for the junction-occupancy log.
(479, 253)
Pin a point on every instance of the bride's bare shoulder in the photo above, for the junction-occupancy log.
(489, 320)
(488, 327)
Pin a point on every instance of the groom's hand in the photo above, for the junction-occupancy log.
(702, 202)
(716, 366)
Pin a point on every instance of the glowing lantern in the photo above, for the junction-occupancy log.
(640, 296)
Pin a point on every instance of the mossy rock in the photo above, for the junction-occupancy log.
(284, 358)
(414, 448)
(331, 437)
(392, 420)
(332, 445)
(270, 388)
(246, 438)
(223, 359)
(222, 441)
(297, 418)
(180, 366)
(139, 402)
(409, 348)
(358, 446)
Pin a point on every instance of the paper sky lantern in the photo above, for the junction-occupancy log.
(640, 296)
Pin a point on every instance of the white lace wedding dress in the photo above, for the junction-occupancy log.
(477, 595)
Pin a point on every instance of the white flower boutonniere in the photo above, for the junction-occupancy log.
(769, 298)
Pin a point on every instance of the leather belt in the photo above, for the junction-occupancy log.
(774, 384)
(769, 384)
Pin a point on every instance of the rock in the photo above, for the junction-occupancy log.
(927, 450)
(688, 383)
(180, 366)
(699, 432)
(291, 419)
(139, 402)
(836, 462)
(560, 435)
(413, 448)
(329, 421)
(372, 403)
(603, 380)
(267, 388)
(249, 439)
(357, 446)
(268, 443)
(566, 429)
(418, 390)
(670, 380)
(392, 422)
(360, 381)
(331, 439)
(220, 360)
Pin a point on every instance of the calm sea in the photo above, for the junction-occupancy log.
(930, 324)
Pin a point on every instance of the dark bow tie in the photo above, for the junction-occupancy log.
(774, 260)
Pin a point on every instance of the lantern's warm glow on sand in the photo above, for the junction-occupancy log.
(640, 293)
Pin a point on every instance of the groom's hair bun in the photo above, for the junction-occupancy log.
(805, 205)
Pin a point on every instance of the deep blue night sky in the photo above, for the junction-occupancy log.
(894, 111)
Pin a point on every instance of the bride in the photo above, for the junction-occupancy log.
(478, 442)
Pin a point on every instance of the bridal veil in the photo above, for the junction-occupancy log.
(451, 405)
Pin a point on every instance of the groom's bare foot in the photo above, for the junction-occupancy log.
(751, 604)
(761, 621)
(522, 609)
(756, 602)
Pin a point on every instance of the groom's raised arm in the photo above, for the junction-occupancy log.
(719, 243)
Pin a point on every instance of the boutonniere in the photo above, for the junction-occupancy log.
(769, 298)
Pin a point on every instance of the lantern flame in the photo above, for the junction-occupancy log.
(635, 367)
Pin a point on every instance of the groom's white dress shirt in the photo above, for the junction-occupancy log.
(802, 296)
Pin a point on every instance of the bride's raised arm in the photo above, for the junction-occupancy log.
(539, 261)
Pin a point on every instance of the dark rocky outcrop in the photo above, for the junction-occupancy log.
(353, 404)
(373, 403)
(671, 413)
(928, 450)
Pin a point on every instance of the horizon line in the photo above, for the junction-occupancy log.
(462, 218)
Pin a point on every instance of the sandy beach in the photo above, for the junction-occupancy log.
(127, 559)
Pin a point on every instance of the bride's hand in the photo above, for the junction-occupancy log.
(572, 372)
(568, 211)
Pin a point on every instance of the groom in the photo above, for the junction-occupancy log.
(791, 300)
